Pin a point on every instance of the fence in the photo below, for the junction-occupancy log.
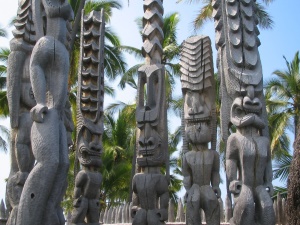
(176, 215)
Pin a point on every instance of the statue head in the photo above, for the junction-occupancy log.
(246, 111)
(89, 148)
(151, 117)
(198, 88)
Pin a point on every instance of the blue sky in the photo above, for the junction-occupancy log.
(283, 39)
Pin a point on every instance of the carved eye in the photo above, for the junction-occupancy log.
(239, 110)
(141, 144)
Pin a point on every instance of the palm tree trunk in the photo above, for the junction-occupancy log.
(293, 197)
(133, 170)
(76, 24)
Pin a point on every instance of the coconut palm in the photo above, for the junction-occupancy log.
(118, 150)
(4, 132)
(205, 14)
(4, 52)
(285, 91)
(3, 32)
(284, 103)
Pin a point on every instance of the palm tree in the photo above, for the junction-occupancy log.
(284, 103)
(118, 146)
(3, 32)
(285, 92)
(205, 14)
(4, 52)
(281, 170)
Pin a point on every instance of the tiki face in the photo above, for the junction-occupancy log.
(197, 106)
(247, 112)
(89, 148)
(197, 81)
(149, 113)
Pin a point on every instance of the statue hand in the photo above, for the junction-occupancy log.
(269, 188)
(217, 191)
(162, 214)
(77, 202)
(37, 113)
(247, 120)
(235, 187)
(134, 210)
(21, 177)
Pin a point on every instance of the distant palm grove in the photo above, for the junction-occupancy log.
(282, 94)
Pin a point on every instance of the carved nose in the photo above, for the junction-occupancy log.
(250, 92)
(95, 147)
(249, 102)
(146, 142)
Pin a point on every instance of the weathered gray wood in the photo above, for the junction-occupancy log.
(200, 165)
(180, 216)
(222, 218)
(101, 219)
(20, 99)
(105, 215)
(150, 187)
(279, 208)
(49, 67)
(243, 105)
(130, 219)
(171, 211)
(3, 215)
(90, 97)
(284, 212)
(109, 215)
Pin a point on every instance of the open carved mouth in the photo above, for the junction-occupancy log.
(87, 156)
(252, 105)
(155, 159)
(195, 120)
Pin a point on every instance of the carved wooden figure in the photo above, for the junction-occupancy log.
(90, 120)
(150, 187)
(21, 100)
(200, 165)
(248, 161)
(49, 66)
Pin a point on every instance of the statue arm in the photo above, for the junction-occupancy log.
(215, 176)
(268, 176)
(231, 165)
(135, 199)
(163, 199)
(38, 81)
(187, 174)
(80, 180)
(14, 72)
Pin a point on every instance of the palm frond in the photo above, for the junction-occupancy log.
(3, 32)
(4, 53)
(204, 15)
(137, 53)
(280, 190)
(264, 19)
(129, 77)
(4, 137)
(282, 167)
